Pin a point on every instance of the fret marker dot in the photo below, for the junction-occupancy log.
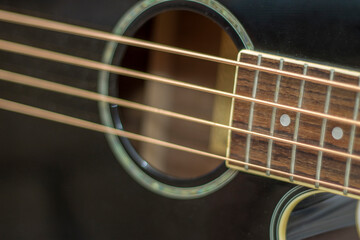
(285, 120)
(337, 133)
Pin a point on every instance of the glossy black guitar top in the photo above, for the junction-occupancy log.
(63, 182)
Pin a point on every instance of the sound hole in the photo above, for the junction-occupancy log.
(192, 31)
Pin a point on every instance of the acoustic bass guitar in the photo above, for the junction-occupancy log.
(179, 119)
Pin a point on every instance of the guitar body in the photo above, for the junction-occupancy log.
(62, 182)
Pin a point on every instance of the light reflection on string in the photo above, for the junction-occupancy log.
(76, 122)
(82, 62)
(91, 33)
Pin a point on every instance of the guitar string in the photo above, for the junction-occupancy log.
(253, 67)
(82, 62)
(61, 88)
(76, 122)
(26, 20)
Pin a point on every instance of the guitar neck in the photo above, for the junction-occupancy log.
(301, 131)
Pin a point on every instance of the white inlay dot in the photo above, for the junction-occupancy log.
(337, 133)
(285, 120)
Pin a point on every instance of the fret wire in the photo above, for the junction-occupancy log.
(351, 142)
(297, 123)
(273, 118)
(323, 130)
(251, 114)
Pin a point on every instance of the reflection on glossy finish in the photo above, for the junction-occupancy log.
(319, 215)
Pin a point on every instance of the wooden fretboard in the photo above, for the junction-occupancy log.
(316, 165)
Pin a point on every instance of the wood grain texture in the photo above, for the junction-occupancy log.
(341, 103)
